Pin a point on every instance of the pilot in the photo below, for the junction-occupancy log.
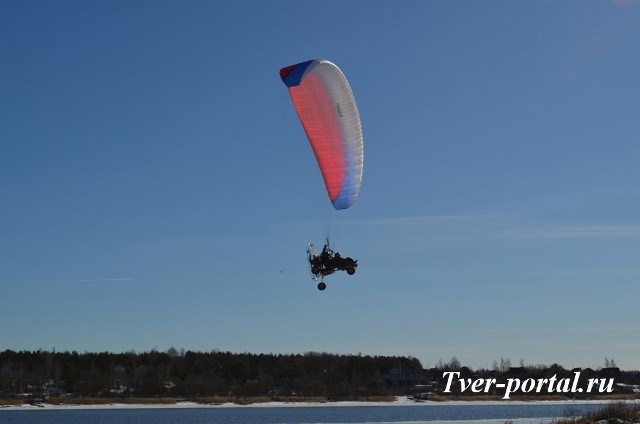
(326, 255)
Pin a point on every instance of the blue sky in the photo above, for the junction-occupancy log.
(157, 188)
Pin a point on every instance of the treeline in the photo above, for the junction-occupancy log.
(195, 374)
(190, 375)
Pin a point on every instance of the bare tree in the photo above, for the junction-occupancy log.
(454, 363)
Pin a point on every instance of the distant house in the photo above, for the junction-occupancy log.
(517, 371)
(402, 379)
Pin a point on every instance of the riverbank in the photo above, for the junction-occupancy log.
(171, 403)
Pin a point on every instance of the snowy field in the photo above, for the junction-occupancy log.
(400, 401)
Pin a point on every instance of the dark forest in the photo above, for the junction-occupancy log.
(192, 375)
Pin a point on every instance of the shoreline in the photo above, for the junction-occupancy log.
(400, 401)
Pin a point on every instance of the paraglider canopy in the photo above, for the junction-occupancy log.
(327, 110)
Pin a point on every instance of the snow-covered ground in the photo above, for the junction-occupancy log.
(400, 401)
